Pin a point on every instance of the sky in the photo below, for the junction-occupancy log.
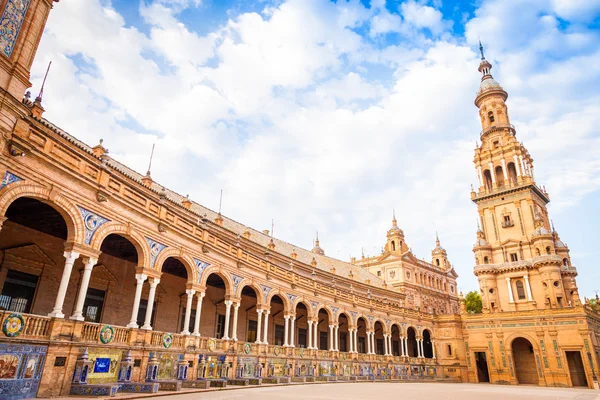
(327, 115)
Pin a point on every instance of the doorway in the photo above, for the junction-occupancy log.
(482, 368)
(576, 369)
(525, 365)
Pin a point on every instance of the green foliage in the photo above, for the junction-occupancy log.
(473, 302)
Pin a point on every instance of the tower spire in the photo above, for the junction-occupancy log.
(481, 50)
(394, 222)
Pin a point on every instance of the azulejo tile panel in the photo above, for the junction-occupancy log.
(20, 370)
(8, 179)
(10, 24)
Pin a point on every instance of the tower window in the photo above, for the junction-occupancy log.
(548, 250)
(520, 290)
(437, 262)
(378, 273)
(486, 260)
(393, 246)
(491, 116)
(513, 257)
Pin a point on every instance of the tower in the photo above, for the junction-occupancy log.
(521, 263)
(439, 256)
(395, 238)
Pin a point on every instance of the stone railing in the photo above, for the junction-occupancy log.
(91, 332)
(36, 326)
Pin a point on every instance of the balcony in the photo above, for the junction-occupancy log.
(523, 181)
(498, 127)
(524, 264)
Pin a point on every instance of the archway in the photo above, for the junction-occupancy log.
(33, 235)
(247, 328)
(378, 332)
(396, 340)
(361, 334)
(276, 328)
(499, 176)
(171, 305)
(212, 317)
(512, 173)
(119, 258)
(524, 358)
(411, 342)
(427, 344)
(301, 325)
(487, 176)
(323, 329)
(343, 336)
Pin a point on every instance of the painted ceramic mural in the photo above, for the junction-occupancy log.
(105, 365)
(20, 370)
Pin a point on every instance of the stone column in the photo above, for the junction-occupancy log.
(356, 340)
(337, 338)
(292, 329)
(522, 164)
(433, 348)
(480, 175)
(510, 293)
(200, 296)
(317, 336)
(402, 348)
(517, 166)
(504, 170)
(286, 331)
(70, 257)
(368, 342)
(188, 311)
(227, 315)
(258, 325)
(151, 293)
(529, 296)
(331, 338)
(385, 344)
(373, 343)
(350, 340)
(310, 334)
(85, 281)
(236, 307)
(140, 278)
(266, 328)
(492, 173)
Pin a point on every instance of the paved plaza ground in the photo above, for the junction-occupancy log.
(400, 391)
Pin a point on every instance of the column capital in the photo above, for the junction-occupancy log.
(236, 304)
(89, 262)
(140, 278)
(153, 282)
(71, 256)
(259, 311)
(200, 294)
(190, 292)
(228, 302)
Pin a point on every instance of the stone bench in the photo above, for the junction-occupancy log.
(255, 381)
(238, 382)
(276, 379)
(218, 383)
(172, 386)
(148, 387)
(196, 384)
(106, 389)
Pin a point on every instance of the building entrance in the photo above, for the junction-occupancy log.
(576, 368)
(482, 368)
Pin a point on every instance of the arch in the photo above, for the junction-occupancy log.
(427, 343)
(306, 303)
(566, 262)
(185, 259)
(68, 210)
(491, 117)
(499, 175)
(383, 324)
(512, 173)
(486, 260)
(393, 245)
(327, 310)
(221, 273)
(487, 176)
(249, 282)
(548, 250)
(524, 359)
(411, 341)
(284, 298)
(133, 236)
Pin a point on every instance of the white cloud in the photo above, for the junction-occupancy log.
(289, 112)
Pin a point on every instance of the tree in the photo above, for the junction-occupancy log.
(473, 302)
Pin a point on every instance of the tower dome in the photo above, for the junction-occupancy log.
(488, 84)
(317, 248)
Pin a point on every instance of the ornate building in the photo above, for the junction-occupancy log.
(111, 282)
(428, 287)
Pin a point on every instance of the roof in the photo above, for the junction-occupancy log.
(324, 263)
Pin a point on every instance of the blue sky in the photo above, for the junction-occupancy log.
(327, 115)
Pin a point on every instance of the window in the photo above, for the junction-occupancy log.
(92, 307)
(362, 345)
(408, 273)
(565, 262)
(449, 347)
(323, 340)
(192, 319)
(279, 335)
(437, 262)
(251, 336)
(393, 246)
(491, 118)
(507, 221)
(452, 288)
(548, 250)
(220, 326)
(513, 257)
(18, 291)
(537, 252)
(379, 346)
(378, 273)
(302, 337)
(520, 290)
